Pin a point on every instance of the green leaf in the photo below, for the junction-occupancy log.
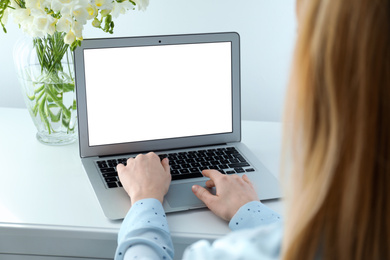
(68, 87)
(51, 50)
(36, 91)
(54, 117)
(46, 110)
(65, 121)
(4, 4)
(35, 109)
(39, 89)
(56, 88)
(31, 98)
(44, 119)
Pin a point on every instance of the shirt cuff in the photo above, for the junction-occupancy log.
(253, 214)
(145, 213)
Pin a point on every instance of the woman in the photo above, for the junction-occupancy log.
(337, 139)
(340, 102)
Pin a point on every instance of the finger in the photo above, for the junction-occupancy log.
(246, 179)
(130, 160)
(153, 156)
(210, 184)
(165, 164)
(203, 194)
(139, 156)
(212, 174)
(120, 167)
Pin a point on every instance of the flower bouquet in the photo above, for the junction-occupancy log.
(44, 60)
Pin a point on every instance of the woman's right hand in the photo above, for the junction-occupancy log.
(145, 177)
(232, 192)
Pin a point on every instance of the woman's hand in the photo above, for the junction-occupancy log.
(232, 193)
(145, 177)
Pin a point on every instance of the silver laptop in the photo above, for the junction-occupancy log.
(176, 95)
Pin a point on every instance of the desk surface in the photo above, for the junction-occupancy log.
(45, 187)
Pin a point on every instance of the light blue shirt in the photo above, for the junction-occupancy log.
(144, 234)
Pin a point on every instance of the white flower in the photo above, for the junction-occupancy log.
(104, 4)
(44, 24)
(64, 24)
(69, 38)
(37, 16)
(19, 15)
(121, 8)
(142, 4)
(33, 4)
(27, 27)
(62, 6)
(77, 29)
(74, 34)
(23, 17)
(80, 13)
(38, 24)
(92, 11)
(33, 19)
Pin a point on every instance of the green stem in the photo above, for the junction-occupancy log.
(39, 89)
(54, 117)
(67, 61)
(42, 114)
(58, 102)
(50, 51)
(35, 109)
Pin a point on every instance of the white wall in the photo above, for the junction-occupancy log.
(267, 29)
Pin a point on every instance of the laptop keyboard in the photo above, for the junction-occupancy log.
(186, 165)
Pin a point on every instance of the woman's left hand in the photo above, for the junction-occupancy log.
(145, 177)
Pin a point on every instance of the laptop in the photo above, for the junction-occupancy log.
(176, 95)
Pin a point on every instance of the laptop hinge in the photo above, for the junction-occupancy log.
(164, 150)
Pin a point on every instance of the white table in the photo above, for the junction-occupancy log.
(48, 208)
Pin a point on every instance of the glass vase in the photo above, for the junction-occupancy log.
(46, 75)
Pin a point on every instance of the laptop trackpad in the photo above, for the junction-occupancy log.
(181, 195)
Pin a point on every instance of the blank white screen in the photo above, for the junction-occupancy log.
(158, 92)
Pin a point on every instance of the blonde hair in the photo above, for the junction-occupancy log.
(337, 132)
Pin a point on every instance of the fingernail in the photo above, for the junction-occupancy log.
(195, 188)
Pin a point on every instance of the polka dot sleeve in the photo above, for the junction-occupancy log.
(144, 233)
(253, 214)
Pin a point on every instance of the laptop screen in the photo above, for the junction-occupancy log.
(143, 93)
